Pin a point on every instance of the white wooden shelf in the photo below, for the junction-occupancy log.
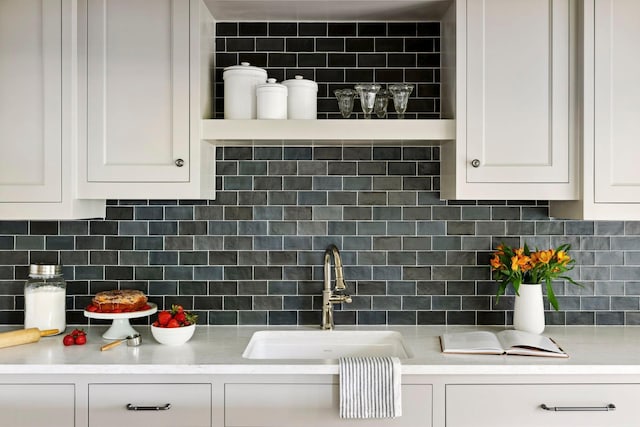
(352, 130)
(327, 10)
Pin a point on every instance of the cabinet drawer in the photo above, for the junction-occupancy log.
(500, 405)
(309, 405)
(36, 405)
(190, 405)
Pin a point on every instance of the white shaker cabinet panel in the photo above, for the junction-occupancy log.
(507, 72)
(507, 405)
(37, 405)
(38, 141)
(617, 101)
(158, 405)
(144, 86)
(138, 90)
(30, 100)
(292, 405)
(610, 122)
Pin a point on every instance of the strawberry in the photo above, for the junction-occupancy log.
(92, 308)
(164, 317)
(68, 340)
(175, 318)
(78, 332)
(80, 339)
(181, 317)
(190, 319)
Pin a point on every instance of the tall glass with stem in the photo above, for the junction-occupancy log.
(367, 94)
(382, 100)
(345, 101)
(400, 94)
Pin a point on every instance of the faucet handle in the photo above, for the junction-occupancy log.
(340, 297)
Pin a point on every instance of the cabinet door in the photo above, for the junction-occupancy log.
(37, 405)
(158, 405)
(138, 90)
(311, 405)
(30, 100)
(502, 405)
(517, 56)
(617, 101)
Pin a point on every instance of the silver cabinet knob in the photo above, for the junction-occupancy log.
(475, 163)
(179, 163)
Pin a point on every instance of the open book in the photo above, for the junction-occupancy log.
(504, 342)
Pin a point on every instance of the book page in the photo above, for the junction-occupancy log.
(471, 342)
(512, 339)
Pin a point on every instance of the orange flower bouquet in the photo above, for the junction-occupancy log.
(521, 265)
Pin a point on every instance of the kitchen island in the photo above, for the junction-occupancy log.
(209, 382)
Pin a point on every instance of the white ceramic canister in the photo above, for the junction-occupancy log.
(272, 100)
(302, 102)
(240, 83)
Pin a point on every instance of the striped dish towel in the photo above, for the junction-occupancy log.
(370, 387)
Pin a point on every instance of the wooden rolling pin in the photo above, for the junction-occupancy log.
(24, 336)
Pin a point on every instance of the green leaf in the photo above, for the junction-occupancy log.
(569, 279)
(551, 295)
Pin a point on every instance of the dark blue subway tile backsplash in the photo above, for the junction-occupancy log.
(254, 255)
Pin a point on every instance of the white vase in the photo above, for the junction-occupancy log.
(528, 311)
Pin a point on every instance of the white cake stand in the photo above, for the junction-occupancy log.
(120, 327)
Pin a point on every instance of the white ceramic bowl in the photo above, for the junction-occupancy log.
(173, 336)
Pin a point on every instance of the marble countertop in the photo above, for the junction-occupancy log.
(218, 350)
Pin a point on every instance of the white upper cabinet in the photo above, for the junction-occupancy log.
(617, 101)
(611, 113)
(30, 100)
(141, 62)
(138, 89)
(507, 71)
(37, 111)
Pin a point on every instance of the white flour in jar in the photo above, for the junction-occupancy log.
(44, 308)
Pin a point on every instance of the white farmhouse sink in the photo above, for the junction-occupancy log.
(325, 344)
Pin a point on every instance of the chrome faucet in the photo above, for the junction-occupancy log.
(329, 298)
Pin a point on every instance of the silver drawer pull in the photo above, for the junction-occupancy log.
(609, 407)
(131, 407)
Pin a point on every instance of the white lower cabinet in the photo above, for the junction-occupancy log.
(160, 405)
(157, 404)
(309, 402)
(37, 405)
(312, 400)
(584, 405)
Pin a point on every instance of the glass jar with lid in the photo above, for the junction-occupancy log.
(44, 298)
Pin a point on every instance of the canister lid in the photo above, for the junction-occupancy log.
(45, 269)
(299, 81)
(245, 68)
(271, 86)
